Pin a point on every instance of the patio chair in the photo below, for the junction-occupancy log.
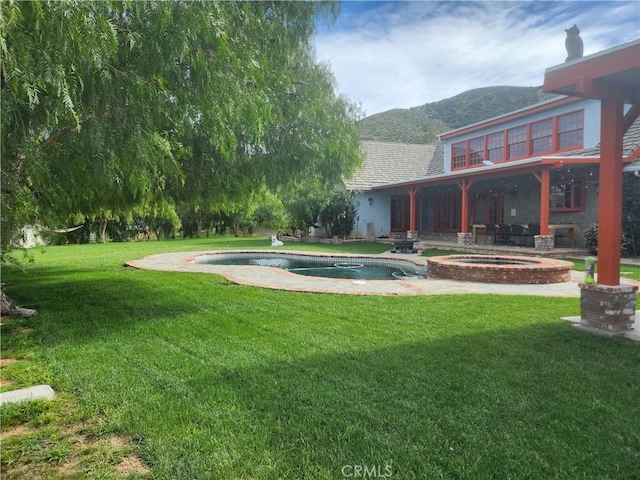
(491, 230)
(518, 235)
(534, 229)
(504, 234)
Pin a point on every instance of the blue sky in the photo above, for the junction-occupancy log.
(401, 54)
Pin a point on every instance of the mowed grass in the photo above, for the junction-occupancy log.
(208, 379)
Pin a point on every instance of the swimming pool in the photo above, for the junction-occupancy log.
(356, 268)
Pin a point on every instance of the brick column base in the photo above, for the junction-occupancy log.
(544, 243)
(412, 235)
(465, 239)
(606, 309)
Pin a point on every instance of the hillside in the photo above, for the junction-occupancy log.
(422, 124)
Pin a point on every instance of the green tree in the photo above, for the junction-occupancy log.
(82, 129)
(294, 130)
(116, 108)
(303, 203)
(339, 216)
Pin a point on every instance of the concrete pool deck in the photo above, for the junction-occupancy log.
(278, 279)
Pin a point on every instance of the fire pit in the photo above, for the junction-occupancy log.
(403, 245)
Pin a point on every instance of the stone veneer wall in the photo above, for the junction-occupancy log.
(522, 193)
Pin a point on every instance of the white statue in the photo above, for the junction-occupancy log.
(275, 242)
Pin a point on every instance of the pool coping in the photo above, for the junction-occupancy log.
(278, 279)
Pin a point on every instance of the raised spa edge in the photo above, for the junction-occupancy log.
(500, 269)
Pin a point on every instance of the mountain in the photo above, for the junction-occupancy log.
(423, 124)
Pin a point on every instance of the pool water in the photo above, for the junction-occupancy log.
(329, 267)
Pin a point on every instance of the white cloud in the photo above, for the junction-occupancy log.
(404, 54)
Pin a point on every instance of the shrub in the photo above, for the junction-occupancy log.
(591, 241)
(630, 241)
(591, 238)
(339, 217)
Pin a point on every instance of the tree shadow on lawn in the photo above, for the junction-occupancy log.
(539, 401)
(104, 304)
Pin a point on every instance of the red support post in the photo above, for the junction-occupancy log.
(610, 196)
(544, 201)
(543, 178)
(413, 191)
(464, 185)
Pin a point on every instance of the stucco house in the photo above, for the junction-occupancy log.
(535, 166)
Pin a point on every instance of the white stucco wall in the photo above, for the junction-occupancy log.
(377, 211)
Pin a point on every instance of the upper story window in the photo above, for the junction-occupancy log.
(476, 151)
(470, 152)
(459, 154)
(542, 136)
(554, 134)
(495, 147)
(570, 130)
(517, 142)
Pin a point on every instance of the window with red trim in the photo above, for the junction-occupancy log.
(400, 211)
(476, 151)
(447, 212)
(570, 130)
(517, 142)
(486, 207)
(542, 136)
(558, 133)
(566, 197)
(495, 147)
(459, 153)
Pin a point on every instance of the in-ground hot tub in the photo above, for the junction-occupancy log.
(500, 269)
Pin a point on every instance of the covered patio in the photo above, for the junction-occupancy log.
(613, 77)
(523, 192)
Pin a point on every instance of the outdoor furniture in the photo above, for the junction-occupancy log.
(504, 234)
(534, 229)
(477, 228)
(518, 235)
(491, 230)
(564, 231)
(403, 245)
(561, 237)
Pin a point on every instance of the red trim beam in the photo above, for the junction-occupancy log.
(591, 76)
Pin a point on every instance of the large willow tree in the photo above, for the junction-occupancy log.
(111, 108)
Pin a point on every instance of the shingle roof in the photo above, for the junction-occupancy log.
(436, 167)
(390, 162)
(631, 141)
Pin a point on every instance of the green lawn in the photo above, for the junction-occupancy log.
(208, 379)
